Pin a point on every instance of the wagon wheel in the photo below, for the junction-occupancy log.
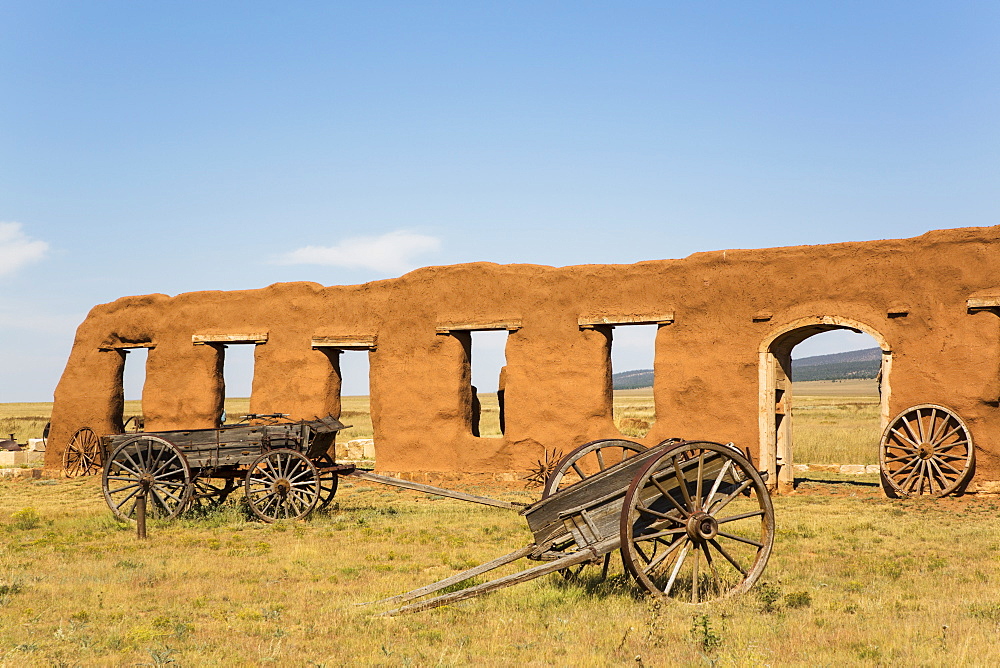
(588, 460)
(149, 461)
(83, 455)
(585, 461)
(208, 493)
(328, 481)
(697, 523)
(282, 485)
(927, 449)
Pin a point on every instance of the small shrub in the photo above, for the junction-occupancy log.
(25, 519)
(798, 599)
(703, 635)
(769, 597)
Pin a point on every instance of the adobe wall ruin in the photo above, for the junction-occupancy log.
(722, 316)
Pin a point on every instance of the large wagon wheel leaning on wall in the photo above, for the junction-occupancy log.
(282, 485)
(153, 463)
(585, 461)
(83, 455)
(697, 523)
(926, 449)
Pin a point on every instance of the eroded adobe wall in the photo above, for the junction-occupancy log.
(558, 375)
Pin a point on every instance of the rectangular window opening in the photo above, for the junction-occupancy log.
(633, 350)
(488, 361)
(356, 443)
(133, 381)
(237, 375)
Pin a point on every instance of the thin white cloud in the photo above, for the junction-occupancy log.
(17, 249)
(392, 252)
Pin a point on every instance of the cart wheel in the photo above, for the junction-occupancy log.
(83, 455)
(208, 493)
(585, 461)
(282, 485)
(150, 460)
(927, 449)
(697, 523)
(328, 481)
(588, 460)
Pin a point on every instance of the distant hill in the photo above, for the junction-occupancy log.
(632, 380)
(838, 366)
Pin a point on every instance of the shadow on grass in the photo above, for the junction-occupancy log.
(827, 481)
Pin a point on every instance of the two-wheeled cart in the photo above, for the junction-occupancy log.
(693, 521)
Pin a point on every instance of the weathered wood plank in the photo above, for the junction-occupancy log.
(513, 579)
(990, 301)
(430, 489)
(458, 577)
(510, 324)
(344, 342)
(202, 339)
(590, 321)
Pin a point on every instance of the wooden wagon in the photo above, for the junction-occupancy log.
(692, 519)
(285, 467)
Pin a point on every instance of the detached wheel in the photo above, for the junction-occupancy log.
(697, 523)
(83, 454)
(282, 485)
(926, 450)
(154, 463)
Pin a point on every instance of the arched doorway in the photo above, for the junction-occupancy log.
(775, 390)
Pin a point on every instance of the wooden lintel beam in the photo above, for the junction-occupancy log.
(591, 321)
(983, 302)
(202, 339)
(349, 342)
(511, 325)
(122, 345)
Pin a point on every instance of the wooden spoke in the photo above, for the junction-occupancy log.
(84, 455)
(655, 513)
(282, 485)
(926, 449)
(151, 465)
(686, 569)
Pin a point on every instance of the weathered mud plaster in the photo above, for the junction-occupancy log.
(728, 320)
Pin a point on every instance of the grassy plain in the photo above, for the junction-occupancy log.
(834, 422)
(855, 579)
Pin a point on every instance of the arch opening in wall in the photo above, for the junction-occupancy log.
(776, 391)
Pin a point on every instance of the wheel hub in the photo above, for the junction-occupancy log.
(702, 526)
(282, 486)
(925, 450)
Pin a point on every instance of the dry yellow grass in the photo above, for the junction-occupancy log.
(855, 579)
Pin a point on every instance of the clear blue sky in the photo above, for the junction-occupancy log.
(178, 146)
